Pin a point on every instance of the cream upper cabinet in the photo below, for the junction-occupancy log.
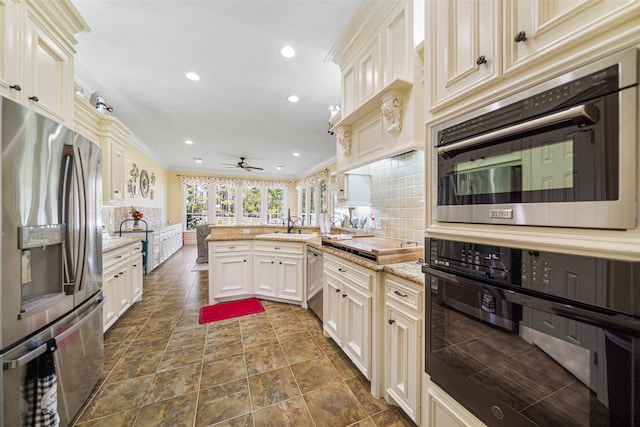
(116, 171)
(382, 101)
(37, 58)
(534, 28)
(112, 135)
(465, 51)
(9, 86)
(484, 48)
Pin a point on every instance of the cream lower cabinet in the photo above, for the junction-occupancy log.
(137, 274)
(442, 410)
(229, 271)
(402, 343)
(347, 308)
(121, 280)
(278, 271)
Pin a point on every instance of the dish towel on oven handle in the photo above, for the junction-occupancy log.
(41, 390)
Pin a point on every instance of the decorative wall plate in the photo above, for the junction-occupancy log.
(144, 183)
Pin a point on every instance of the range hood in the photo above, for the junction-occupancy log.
(354, 190)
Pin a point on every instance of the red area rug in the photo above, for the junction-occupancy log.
(228, 310)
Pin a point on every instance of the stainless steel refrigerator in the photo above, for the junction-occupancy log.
(51, 299)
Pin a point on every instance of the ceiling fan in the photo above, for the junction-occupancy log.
(243, 165)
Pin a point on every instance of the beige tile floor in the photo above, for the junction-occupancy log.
(269, 369)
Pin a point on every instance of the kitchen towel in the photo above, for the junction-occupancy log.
(41, 390)
(228, 310)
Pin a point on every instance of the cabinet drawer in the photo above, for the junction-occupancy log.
(231, 246)
(279, 247)
(114, 256)
(136, 248)
(354, 274)
(399, 290)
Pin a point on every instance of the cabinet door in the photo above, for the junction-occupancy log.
(368, 66)
(466, 50)
(332, 303)
(110, 308)
(402, 371)
(357, 328)
(48, 85)
(552, 27)
(116, 172)
(123, 287)
(10, 53)
(265, 275)
(231, 275)
(290, 277)
(348, 90)
(136, 277)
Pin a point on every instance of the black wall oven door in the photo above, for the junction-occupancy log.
(573, 358)
(555, 155)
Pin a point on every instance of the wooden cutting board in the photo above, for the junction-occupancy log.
(386, 250)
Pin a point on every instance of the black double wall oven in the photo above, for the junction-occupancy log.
(534, 338)
(524, 336)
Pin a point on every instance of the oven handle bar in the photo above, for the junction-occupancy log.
(581, 115)
(615, 322)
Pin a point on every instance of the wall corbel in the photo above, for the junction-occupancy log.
(343, 137)
(392, 111)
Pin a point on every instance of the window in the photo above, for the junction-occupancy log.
(197, 205)
(232, 202)
(275, 206)
(225, 213)
(313, 200)
(251, 205)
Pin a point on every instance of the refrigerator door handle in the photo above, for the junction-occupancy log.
(74, 190)
(41, 349)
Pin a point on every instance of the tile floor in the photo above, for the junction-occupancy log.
(269, 369)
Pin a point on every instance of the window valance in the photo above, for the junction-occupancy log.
(234, 182)
(322, 175)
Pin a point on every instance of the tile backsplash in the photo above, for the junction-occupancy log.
(112, 216)
(397, 196)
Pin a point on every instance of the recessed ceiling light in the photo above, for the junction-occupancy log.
(279, 167)
(293, 98)
(192, 76)
(197, 159)
(288, 52)
(188, 142)
(296, 154)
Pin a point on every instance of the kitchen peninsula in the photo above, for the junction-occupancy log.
(373, 295)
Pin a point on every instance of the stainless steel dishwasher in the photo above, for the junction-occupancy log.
(314, 280)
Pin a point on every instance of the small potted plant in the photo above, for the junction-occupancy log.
(137, 216)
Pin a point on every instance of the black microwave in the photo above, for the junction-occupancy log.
(561, 154)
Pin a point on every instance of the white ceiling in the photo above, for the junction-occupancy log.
(138, 51)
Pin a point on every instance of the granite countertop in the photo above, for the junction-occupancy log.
(115, 243)
(411, 270)
(407, 270)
